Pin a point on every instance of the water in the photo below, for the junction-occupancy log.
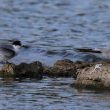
(52, 29)
(50, 94)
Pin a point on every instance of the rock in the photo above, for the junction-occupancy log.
(97, 76)
(7, 70)
(23, 70)
(32, 70)
(64, 68)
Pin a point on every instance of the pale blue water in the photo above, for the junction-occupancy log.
(52, 29)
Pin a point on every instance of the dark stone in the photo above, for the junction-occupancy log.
(65, 68)
(62, 68)
(23, 70)
(32, 70)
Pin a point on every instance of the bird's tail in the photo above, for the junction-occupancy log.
(86, 50)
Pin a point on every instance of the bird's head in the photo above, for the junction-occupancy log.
(17, 45)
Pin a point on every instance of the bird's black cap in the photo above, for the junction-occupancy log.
(17, 42)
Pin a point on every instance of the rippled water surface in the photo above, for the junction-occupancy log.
(50, 94)
(52, 29)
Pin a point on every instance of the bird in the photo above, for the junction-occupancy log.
(100, 52)
(9, 51)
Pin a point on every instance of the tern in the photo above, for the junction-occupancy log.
(9, 51)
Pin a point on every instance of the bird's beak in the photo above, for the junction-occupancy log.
(25, 46)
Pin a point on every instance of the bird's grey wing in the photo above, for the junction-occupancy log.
(6, 54)
(7, 47)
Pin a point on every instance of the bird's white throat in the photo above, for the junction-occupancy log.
(16, 48)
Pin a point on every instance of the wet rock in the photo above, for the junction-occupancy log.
(33, 70)
(97, 76)
(23, 70)
(62, 68)
(65, 68)
(7, 70)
